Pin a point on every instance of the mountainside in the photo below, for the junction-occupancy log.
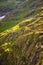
(21, 32)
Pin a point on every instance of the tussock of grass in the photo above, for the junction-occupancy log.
(22, 43)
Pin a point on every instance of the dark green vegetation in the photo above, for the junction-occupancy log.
(25, 45)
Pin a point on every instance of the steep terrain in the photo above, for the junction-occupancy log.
(21, 34)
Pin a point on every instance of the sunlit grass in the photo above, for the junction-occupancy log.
(7, 50)
(10, 30)
(22, 22)
(5, 44)
(29, 19)
(15, 27)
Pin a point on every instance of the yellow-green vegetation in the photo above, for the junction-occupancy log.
(22, 42)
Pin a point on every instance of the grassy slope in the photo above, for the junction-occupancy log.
(11, 21)
(23, 12)
(23, 45)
